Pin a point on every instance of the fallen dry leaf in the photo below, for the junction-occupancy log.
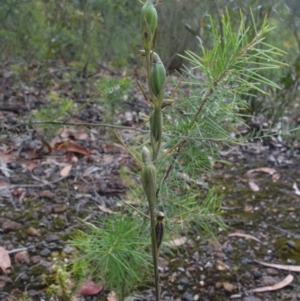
(228, 287)
(29, 164)
(270, 171)
(221, 266)
(73, 148)
(239, 234)
(176, 242)
(90, 288)
(66, 170)
(112, 296)
(5, 262)
(295, 187)
(253, 186)
(105, 209)
(286, 281)
(291, 268)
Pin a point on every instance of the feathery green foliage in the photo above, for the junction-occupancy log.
(203, 118)
(113, 252)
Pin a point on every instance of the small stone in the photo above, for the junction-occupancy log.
(31, 248)
(220, 254)
(68, 249)
(187, 297)
(21, 257)
(229, 248)
(196, 297)
(9, 225)
(268, 280)
(196, 256)
(45, 252)
(52, 246)
(272, 272)
(32, 231)
(47, 194)
(35, 259)
(52, 237)
(59, 208)
(47, 209)
(181, 269)
(183, 281)
(257, 275)
(208, 265)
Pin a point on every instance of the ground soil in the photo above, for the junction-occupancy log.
(46, 185)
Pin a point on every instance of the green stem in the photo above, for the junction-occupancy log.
(154, 251)
(156, 131)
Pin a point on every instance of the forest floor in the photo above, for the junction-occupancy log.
(47, 184)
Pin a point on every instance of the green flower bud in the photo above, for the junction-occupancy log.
(157, 78)
(149, 177)
(150, 14)
(148, 24)
(156, 121)
(146, 155)
(156, 127)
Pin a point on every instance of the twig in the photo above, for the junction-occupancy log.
(36, 185)
(16, 250)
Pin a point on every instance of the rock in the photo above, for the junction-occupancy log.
(32, 231)
(21, 257)
(208, 265)
(181, 269)
(183, 281)
(58, 208)
(257, 274)
(53, 246)
(196, 256)
(268, 280)
(272, 272)
(9, 225)
(187, 297)
(68, 249)
(52, 237)
(47, 194)
(45, 252)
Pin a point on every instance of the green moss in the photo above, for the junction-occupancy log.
(288, 249)
(58, 223)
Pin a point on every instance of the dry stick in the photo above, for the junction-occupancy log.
(37, 185)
